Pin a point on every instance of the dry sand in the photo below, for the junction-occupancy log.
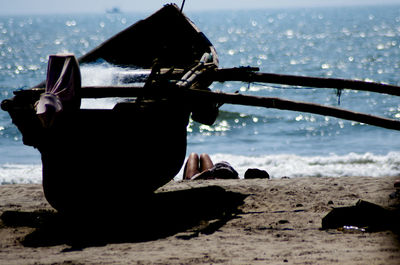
(274, 221)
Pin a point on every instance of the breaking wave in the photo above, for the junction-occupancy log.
(289, 165)
(20, 174)
(283, 165)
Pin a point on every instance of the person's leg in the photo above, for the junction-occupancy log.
(205, 162)
(191, 167)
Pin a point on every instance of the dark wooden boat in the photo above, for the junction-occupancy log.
(106, 158)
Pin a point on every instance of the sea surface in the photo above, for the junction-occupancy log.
(360, 43)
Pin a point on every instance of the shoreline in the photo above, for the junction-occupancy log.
(278, 165)
(275, 221)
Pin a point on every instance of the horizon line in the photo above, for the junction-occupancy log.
(206, 9)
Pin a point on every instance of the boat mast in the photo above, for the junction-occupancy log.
(183, 4)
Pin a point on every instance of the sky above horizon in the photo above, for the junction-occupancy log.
(98, 6)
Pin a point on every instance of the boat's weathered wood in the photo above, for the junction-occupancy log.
(249, 75)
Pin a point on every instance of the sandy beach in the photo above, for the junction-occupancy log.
(259, 221)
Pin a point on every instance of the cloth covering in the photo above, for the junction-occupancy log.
(62, 88)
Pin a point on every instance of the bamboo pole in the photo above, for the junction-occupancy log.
(91, 92)
(248, 100)
(248, 75)
(188, 94)
(277, 103)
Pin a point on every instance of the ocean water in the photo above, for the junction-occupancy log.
(360, 43)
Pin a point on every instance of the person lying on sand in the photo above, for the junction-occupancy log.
(203, 168)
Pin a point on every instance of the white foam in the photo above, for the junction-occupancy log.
(277, 166)
(105, 74)
(290, 165)
(99, 103)
(20, 174)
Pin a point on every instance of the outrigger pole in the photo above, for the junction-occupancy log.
(283, 104)
(247, 100)
(185, 88)
(248, 74)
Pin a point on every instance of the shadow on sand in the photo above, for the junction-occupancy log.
(193, 211)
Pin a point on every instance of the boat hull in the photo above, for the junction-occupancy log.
(108, 158)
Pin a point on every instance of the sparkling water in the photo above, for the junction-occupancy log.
(352, 43)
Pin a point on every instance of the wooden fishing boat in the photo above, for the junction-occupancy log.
(104, 158)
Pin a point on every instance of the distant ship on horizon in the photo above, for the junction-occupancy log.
(114, 10)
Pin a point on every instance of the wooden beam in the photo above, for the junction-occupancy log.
(277, 103)
(249, 75)
(238, 99)
(249, 100)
